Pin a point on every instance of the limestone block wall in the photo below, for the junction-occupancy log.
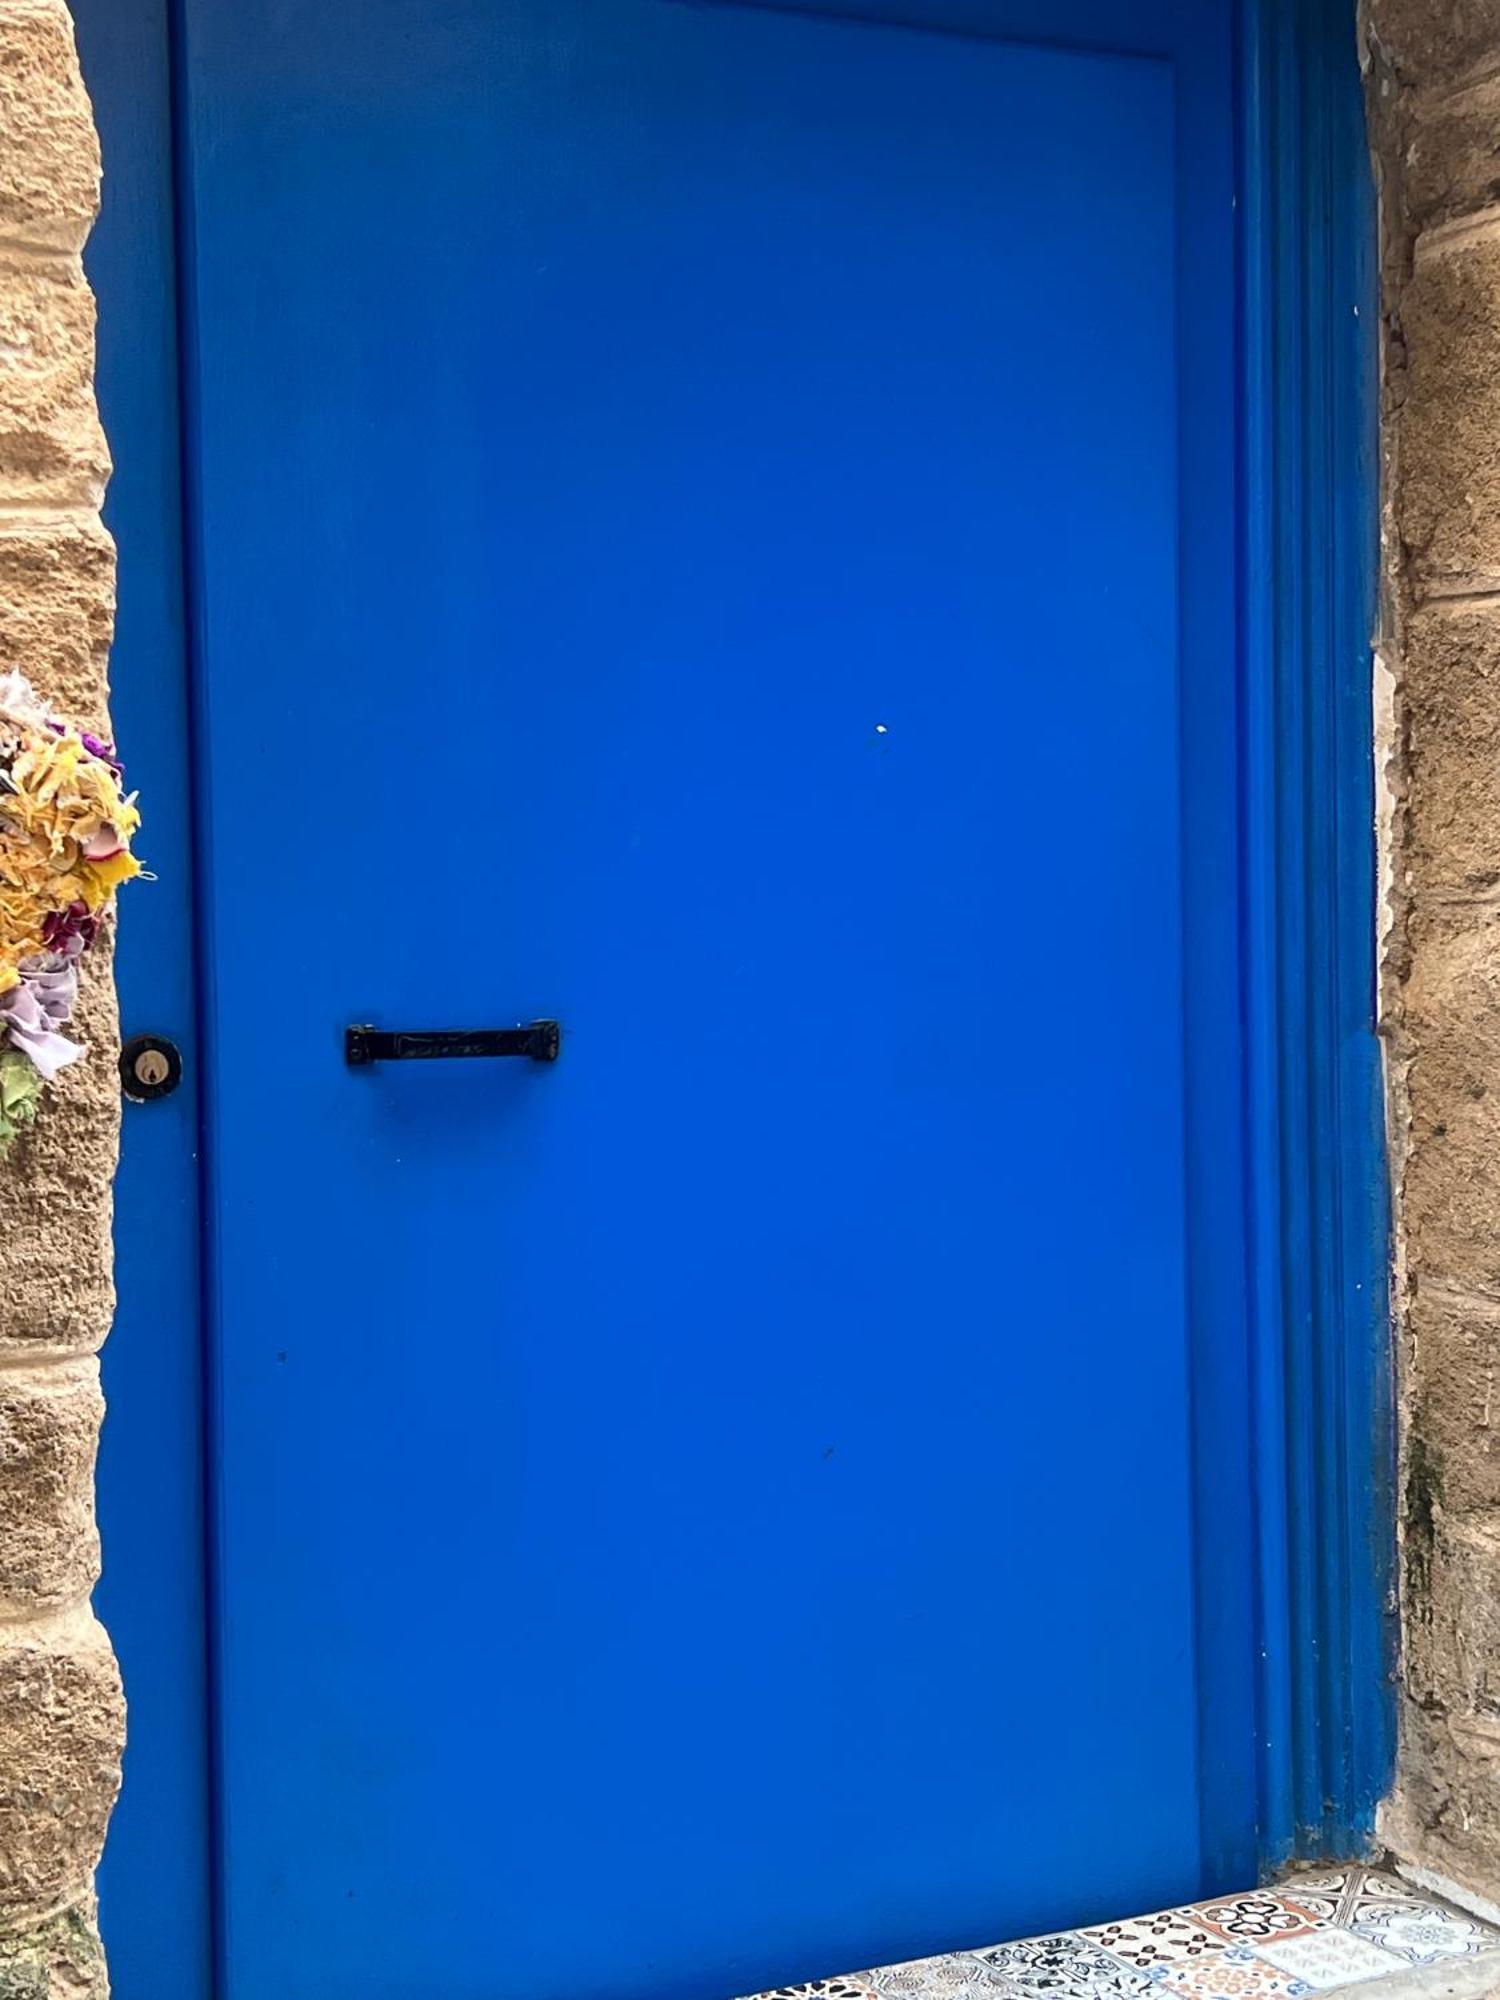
(1433, 76)
(61, 1711)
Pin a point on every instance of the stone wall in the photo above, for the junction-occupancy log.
(1433, 73)
(61, 1713)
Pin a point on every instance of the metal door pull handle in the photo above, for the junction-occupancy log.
(362, 1045)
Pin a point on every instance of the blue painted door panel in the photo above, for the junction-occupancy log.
(154, 1883)
(713, 523)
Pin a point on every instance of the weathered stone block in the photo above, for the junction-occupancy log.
(59, 1958)
(1454, 1418)
(1451, 1003)
(62, 1720)
(1445, 1811)
(57, 593)
(1448, 496)
(56, 1254)
(49, 154)
(1432, 42)
(1452, 704)
(1453, 1630)
(1434, 103)
(61, 1710)
(1453, 156)
(52, 448)
(49, 1427)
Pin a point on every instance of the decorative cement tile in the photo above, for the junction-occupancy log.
(1066, 1967)
(956, 1976)
(1378, 1887)
(822, 1989)
(1338, 1895)
(1420, 1931)
(1146, 1942)
(1313, 1933)
(1330, 1893)
(1234, 1973)
(1248, 1919)
(1327, 1957)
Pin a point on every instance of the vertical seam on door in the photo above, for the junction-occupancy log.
(188, 377)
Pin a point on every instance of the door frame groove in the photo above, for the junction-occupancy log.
(1315, 1131)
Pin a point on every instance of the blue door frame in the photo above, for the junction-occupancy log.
(151, 1491)
(1314, 1096)
(1308, 1645)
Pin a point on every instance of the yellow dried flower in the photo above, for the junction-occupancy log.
(64, 828)
(63, 792)
(102, 878)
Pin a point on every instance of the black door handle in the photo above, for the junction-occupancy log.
(541, 1042)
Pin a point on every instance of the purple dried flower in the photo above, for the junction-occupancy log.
(34, 1011)
(59, 927)
(95, 745)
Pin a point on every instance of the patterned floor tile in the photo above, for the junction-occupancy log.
(1376, 1886)
(1233, 1973)
(822, 1989)
(1066, 1967)
(1330, 1893)
(1146, 1942)
(1249, 1919)
(1338, 1895)
(1328, 1957)
(1420, 1931)
(957, 1976)
(1313, 1933)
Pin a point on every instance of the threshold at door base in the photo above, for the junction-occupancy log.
(1347, 1929)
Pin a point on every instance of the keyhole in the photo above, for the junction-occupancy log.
(151, 1068)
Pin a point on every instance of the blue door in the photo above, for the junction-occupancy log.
(714, 524)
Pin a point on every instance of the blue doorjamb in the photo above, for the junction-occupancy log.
(1317, 1200)
(155, 1881)
(1315, 1127)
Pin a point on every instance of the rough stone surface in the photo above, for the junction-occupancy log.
(52, 448)
(1448, 497)
(56, 1252)
(1444, 1815)
(1452, 705)
(56, 608)
(61, 1710)
(49, 155)
(61, 1722)
(57, 1959)
(1456, 1335)
(1452, 1018)
(1453, 1650)
(1452, 163)
(1431, 44)
(49, 1428)
(1433, 75)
